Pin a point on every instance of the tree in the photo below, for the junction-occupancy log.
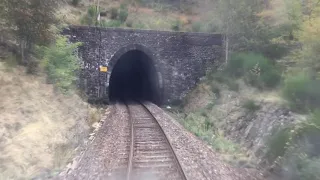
(60, 63)
(239, 22)
(309, 36)
(30, 21)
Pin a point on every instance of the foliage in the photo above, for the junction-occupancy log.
(309, 36)
(308, 169)
(28, 22)
(246, 29)
(90, 18)
(216, 90)
(250, 105)
(111, 23)
(114, 13)
(277, 144)
(176, 25)
(129, 23)
(257, 69)
(197, 26)
(302, 92)
(60, 63)
(201, 126)
(123, 13)
(232, 85)
(296, 149)
(75, 2)
(31, 20)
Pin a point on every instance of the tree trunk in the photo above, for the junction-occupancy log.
(227, 48)
(22, 51)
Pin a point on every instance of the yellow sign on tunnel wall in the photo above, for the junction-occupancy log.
(103, 69)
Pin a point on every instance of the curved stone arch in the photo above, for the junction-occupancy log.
(114, 59)
(130, 47)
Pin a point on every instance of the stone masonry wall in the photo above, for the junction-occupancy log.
(180, 58)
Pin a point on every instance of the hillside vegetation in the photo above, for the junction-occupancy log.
(259, 109)
(44, 120)
(265, 96)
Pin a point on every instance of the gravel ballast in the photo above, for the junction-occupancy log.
(198, 160)
(101, 157)
(106, 154)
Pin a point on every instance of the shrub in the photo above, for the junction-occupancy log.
(212, 27)
(75, 2)
(114, 13)
(90, 18)
(224, 78)
(196, 26)
(302, 92)
(60, 63)
(308, 169)
(257, 69)
(215, 90)
(210, 106)
(274, 51)
(296, 149)
(129, 23)
(176, 25)
(277, 144)
(250, 105)
(123, 13)
(232, 85)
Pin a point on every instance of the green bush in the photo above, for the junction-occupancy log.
(176, 25)
(308, 168)
(60, 63)
(302, 92)
(123, 13)
(296, 149)
(212, 27)
(111, 23)
(75, 2)
(196, 26)
(274, 51)
(129, 23)
(277, 144)
(114, 13)
(224, 78)
(90, 18)
(256, 69)
(216, 90)
(232, 84)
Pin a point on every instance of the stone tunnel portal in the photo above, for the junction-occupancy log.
(134, 77)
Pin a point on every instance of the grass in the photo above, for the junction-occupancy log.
(40, 127)
(200, 124)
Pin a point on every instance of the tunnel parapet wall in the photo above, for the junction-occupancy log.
(180, 58)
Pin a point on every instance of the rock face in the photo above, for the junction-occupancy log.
(180, 58)
(251, 128)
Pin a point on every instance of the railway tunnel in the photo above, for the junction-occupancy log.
(134, 77)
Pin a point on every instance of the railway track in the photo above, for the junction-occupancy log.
(151, 155)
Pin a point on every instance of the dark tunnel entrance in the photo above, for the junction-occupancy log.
(134, 77)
